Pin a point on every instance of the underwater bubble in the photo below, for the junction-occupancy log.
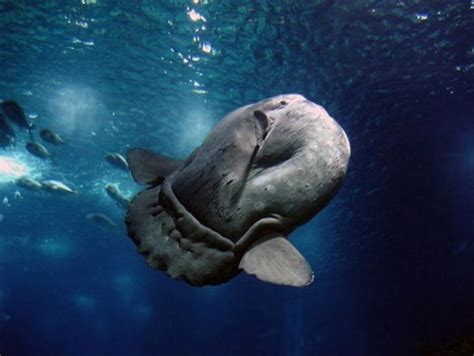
(420, 17)
(196, 16)
(206, 47)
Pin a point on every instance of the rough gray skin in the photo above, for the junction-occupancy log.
(265, 169)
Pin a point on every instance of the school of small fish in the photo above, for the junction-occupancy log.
(13, 122)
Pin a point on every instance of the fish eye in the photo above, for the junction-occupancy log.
(283, 102)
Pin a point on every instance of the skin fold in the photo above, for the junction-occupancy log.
(265, 169)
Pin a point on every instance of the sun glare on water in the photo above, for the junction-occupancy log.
(11, 169)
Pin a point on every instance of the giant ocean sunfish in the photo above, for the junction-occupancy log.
(265, 169)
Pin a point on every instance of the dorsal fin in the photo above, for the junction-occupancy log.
(150, 168)
(274, 259)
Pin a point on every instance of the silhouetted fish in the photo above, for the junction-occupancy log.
(101, 220)
(115, 194)
(38, 150)
(7, 135)
(15, 113)
(51, 137)
(117, 160)
(28, 183)
(54, 186)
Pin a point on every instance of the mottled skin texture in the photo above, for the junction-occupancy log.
(266, 168)
(302, 158)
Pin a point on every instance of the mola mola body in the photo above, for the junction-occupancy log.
(265, 169)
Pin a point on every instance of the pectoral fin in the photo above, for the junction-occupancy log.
(274, 259)
(150, 168)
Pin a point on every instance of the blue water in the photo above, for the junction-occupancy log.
(394, 250)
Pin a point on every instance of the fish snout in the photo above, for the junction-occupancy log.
(300, 165)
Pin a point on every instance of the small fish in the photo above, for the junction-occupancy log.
(101, 220)
(51, 137)
(17, 195)
(15, 114)
(117, 160)
(28, 183)
(115, 194)
(54, 186)
(6, 202)
(38, 150)
(7, 135)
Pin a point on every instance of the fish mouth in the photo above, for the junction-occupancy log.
(172, 240)
(211, 238)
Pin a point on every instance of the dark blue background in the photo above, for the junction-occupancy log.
(393, 252)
